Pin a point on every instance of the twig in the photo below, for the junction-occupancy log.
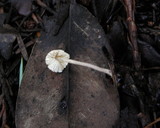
(31, 30)
(40, 3)
(12, 67)
(9, 87)
(130, 8)
(1, 10)
(4, 120)
(22, 47)
(34, 17)
(152, 123)
(2, 109)
(5, 90)
(151, 68)
(26, 45)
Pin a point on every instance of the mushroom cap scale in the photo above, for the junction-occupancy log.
(57, 60)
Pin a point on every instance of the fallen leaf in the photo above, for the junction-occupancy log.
(2, 19)
(6, 42)
(104, 8)
(23, 7)
(78, 97)
(150, 56)
(41, 90)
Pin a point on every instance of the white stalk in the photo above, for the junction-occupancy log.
(57, 60)
(104, 70)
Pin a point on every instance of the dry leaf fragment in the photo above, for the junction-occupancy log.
(23, 6)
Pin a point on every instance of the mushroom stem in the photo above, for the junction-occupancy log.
(104, 70)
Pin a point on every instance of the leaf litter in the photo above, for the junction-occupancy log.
(121, 35)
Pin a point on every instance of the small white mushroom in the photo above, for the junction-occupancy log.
(57, 60)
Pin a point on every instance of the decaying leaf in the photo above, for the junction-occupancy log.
(41, 91)
(85, 2)
(2, 18)
(93, 102)
(78, 97)
(23, 7)
(119, 42)
(6, 42)
(150, 56)
(104, 8)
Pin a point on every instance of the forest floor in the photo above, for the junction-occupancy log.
(128, 36)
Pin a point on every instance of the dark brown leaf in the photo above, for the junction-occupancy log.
(118, 42)
(41, 91)
(104, 8)
(92, 104)
(2, 18)
(85, 2)
(23, 7)
(6, 42)
(150, 56)
(77, 98)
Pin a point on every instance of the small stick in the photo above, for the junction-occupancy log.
(22, 47)
(26, 45)
(152, 123)
(40, 3)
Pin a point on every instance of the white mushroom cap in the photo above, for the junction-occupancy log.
(57, 60)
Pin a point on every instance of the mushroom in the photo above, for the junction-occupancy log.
(57, 60)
